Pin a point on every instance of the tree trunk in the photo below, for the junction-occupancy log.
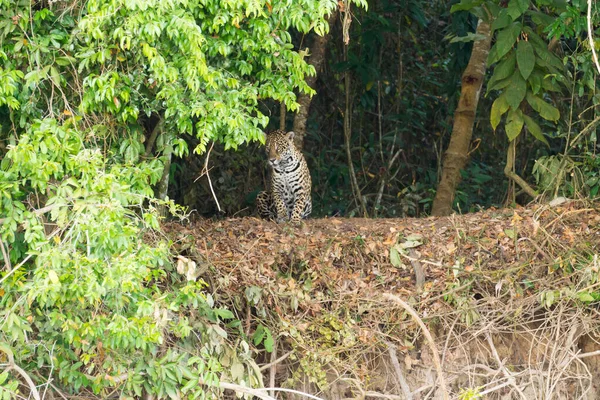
(457, 155)
(316, 59)
(163, 185)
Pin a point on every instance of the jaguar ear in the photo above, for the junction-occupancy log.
(290, 135)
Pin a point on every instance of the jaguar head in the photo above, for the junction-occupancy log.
(279, 147)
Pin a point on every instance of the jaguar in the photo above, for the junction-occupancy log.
(288, 197)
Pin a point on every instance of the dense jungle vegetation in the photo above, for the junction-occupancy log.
(119, 115)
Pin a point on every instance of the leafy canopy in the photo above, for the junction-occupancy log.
(89, 292)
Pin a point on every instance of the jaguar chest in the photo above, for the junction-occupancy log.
(288, 181)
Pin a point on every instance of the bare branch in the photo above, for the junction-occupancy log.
(591, 36)
(435, 354)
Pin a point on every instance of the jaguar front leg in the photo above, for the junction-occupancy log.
(299, 207)
(282, 214)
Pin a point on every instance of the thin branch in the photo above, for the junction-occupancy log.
(272, 363)
(590, 35)
(398, 370)
(40, 211)
(507, 374)
(508, 171)
(5, 256)
(21, 371)
(259, 392)
(12, 271)
(590, 354)
(435, 354)
(310, 396)
(383, 396)
(273, 369)
(205, 171)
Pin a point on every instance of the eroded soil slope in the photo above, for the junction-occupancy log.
(508, 295)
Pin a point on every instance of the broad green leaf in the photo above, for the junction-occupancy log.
(237, 370)
(258, 335)
(395, 258)
(525, 58)
(535, 81)
(516, 90)
(52, 276)
(504, 42)
(517, 7)
(503, 70)
(189, 385)
(465, 5)
(545, 110)
(544, 57)
(514, 124)
(3, 377)
(501, 21)
(498, 85)
(540, 18)
(499, 107)
(585, 297)
(534, 129)
(268, 343)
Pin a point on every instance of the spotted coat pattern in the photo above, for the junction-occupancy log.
(288, 198)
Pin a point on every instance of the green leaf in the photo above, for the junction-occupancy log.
(223, 313)
(525, 58)
(535, 81)
(516, 90)
(258, 335)
(585, 297)
(503, 70)
(237, 371)
(499, 107)
(534, 129)
(504, 42)
(465, 5)
(511, 233)
(498, 85)
(540, 18)
(189, 385)
(269, 341)
(514, 124)
(502, 20)
(545, 110)
(3, 377)
(395, 257)
(52, 276)
(517, 7)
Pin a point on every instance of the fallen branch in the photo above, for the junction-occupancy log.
(435, 354)
(20, 371)
(505, 372)
(398, 370)
(259, 392)
(272, 363)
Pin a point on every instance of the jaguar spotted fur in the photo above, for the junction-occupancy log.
(289, 197)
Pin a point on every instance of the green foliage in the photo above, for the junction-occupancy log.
(98, 303)
(469, 394)
(90, 293)
(522, 71)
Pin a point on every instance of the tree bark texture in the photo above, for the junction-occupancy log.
(317, 60)
(457, 154)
